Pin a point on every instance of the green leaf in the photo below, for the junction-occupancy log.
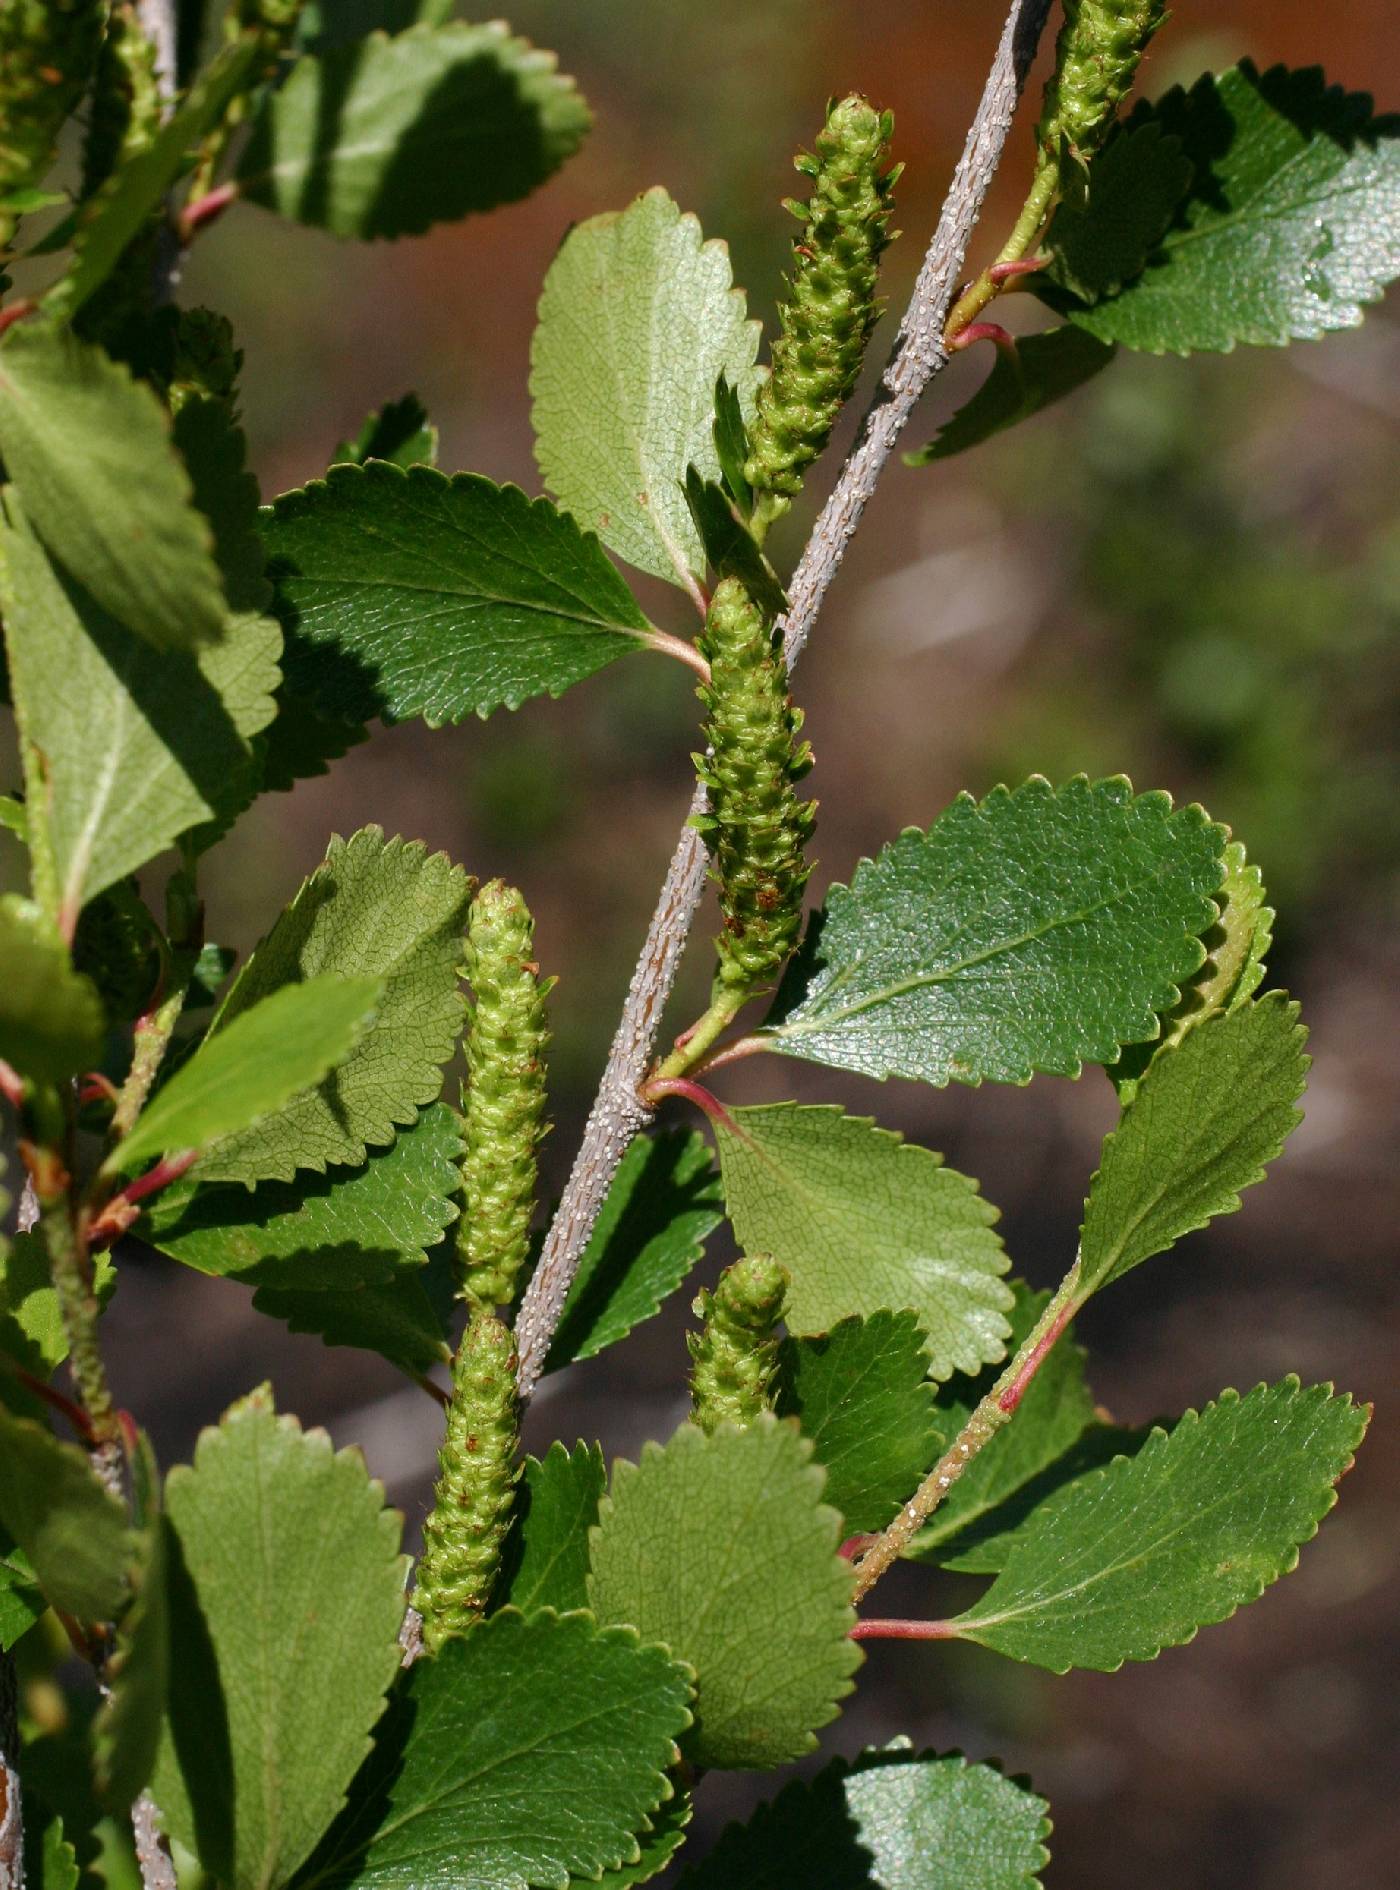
(324, 23)
(668, 1829)
(90, 451)
(267, 1056)
(638, 319)
(729, 545)
(401, 1320)
(353, 1228)
(1041, 370)
(104, 227)
(862, 1394)
(74, 1534)
(518, 1755)
(135, 745)
(302, 742)
(21, 1603)
(686, 1543)
(385, 137)
(32, 1332)
(1290, 226)
(1208, 1114)
(409, 593)
(863, 1220)
(732, 444)
(984, 1547)
(890, 1820)
(294, 1563)
(375, 908)
(1034, 930)
(400, 431)
(1236, 946)
(1051, 1417)
(663, 1205)
(51, 1023)
(127, 1730)
(1136, 1557)
(1103, 239)
(50, 1861)
(545, 1564)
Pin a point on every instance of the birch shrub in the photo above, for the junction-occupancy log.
(276, 1698)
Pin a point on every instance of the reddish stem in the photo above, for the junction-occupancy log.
(119, 1213)
(56, 1401)
(853, 1546)
(97, 1087)
(658, 1087)
(16, 312)
(984, 331)
(904, 1631)
(731, 1053)
(205, 210)
(1006, 271)
(11, 1085)
(1035, 1358)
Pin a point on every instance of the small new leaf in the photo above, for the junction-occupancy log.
(729, 545)
(1140, 1555)
(267, 1056)
(687, 1539)
(1041, 370)
(663, 1205)
(638, 318)
(545, 1564)
(408, 593)
(522, 1754)
(1035, 930)
(432, 125)
(1207, 1115)
(294, 1563)
(400, 431)
(862, 1394)
(1290, 225)
(864, 1221)
(889, 1820)
(90, 452)
(376, 908)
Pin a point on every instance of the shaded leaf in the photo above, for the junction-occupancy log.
(294, 1562)
(32, 1332)
(73, 1533)
(1035, 930)
(1290, 226)
(401, 1320)
(663, 1204)
(863, 1220)
(90, 451)
(399, 431)
(1050, 1418)
(685, 1542)
(729, 546)
(1041, 370)
(344, 1229)
(51, 1023)
(890, 1820)
(385, 137)
(638, 319)
(375, 908)
(1140, 1555)
(732, 444)
(1102, 239)
(127, 1730)
(50, 1861)
(518, 1755)
(862, 1394)
(545, 1564)
(21, 1603)
(1207, 1115)
(408, 593)
(325, 23)
(265, 1058)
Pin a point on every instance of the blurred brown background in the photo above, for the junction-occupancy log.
(1190, 573)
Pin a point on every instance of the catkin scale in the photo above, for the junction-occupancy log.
(831, 306)
(756, 827)
(503, 1100)
(47, 52)
(735, 1355)
(477, 1473)
(1097, 53)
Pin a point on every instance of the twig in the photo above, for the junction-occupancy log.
(160, 22)
(152, 1848)
(618, 1112)
(11, 1821)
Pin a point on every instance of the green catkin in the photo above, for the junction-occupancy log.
(47, 52)
(735, 1356)
(504, 1096)
(832, 305)
(126, 106)
(1097, 54)
(756, 827)
(477, 1473)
